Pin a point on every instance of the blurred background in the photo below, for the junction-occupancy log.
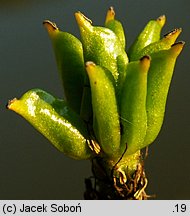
(30, 167)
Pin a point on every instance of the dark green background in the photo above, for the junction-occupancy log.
(30, 168)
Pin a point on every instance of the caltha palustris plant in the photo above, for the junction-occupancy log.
(113, 104)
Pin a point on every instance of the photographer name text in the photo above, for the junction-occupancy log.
(42, 208)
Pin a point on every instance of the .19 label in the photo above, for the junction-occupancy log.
(180, 208)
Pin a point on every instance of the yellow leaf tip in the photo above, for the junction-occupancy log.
(177, 47)
(145, 58)
(161, 20)
(180, 43)
(10, 103)
(145, 62)
(90, 63)
(173, 33)
(90, 67)
(50, 26)
(172, 36)
(110, 15)
(82, 20)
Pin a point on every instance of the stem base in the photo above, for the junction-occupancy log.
(104, 185)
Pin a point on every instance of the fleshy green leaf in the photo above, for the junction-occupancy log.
(69, 56)
(55, 120)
